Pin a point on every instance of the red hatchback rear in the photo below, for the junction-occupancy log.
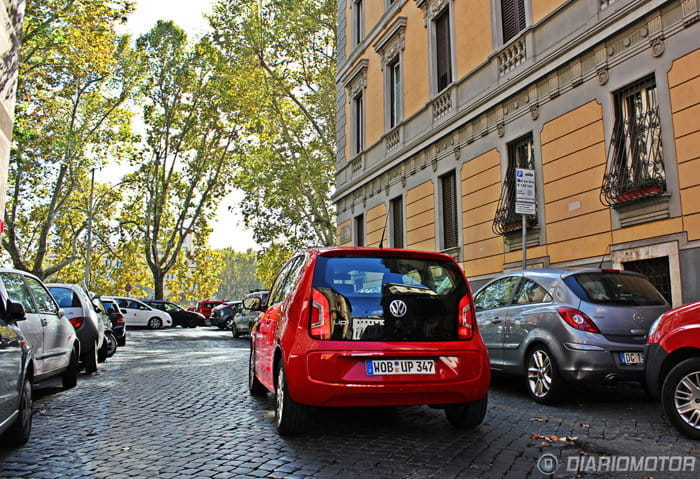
(369, 327)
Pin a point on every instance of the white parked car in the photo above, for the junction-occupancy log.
(53, 339)
(137, 313)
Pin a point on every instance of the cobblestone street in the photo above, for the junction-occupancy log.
(174, 403)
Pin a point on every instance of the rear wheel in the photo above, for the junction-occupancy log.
(467, 415)
(121, 341)
(290, 416)
(255, 387)
(544, 385)
(234, 330)
(680, 397)
(18, 434)
(70, 375)
(155, 323)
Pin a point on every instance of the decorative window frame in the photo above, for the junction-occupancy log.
(390, 47)
(357, 22)
(497, 24)
(355, 84)
(431, 10)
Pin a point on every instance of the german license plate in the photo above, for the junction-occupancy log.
(387, 367)
(630, 359)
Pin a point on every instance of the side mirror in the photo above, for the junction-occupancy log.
(124, 311)
(252, 303)
(15, 311)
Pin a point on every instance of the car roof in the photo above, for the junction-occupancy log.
(368, 251)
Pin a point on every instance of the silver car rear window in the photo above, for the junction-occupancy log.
(615, 289)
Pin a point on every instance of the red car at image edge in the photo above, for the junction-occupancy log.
(369, 327)
(672, 358)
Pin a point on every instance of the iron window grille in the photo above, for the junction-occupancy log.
(521, 154)
(360, 230)
(635, 167)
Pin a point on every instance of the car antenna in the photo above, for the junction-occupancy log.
(381, 240)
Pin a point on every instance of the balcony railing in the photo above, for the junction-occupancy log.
(635, 161)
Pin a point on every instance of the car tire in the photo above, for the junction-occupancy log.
(680, 397)
(255, 387)
(111, 343)
(543, 382)
(70, 375)
(155, 323)
(467, 415)
(121, 341)
(18, 433)
(234, 330)
(90, 359)
(290, 416)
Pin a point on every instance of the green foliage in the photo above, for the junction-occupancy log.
(185, 168)
(70, 118)
(280, 66)
(238, 276)
(271, 261)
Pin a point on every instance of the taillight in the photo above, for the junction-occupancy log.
(578, 320)
(466, 319)
(77, 321)
(120, 321)
(320, 324)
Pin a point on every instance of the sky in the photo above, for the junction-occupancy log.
(229, 230)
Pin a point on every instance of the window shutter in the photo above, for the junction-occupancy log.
(449, 210)
(513, 18)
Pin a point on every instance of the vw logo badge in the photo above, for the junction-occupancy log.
(397, 308)
(638, 316)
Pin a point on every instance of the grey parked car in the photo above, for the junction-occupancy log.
(554, 326)
(15, 375)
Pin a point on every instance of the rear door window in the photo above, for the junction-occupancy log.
(615, 289)
(65, 297)
(390, 298)
(43, 299)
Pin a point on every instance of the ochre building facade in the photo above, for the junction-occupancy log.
(438, 101)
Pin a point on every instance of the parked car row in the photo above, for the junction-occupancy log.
(371, 327)
(45, 331)
(235, 316)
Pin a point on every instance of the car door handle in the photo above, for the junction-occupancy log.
(497, 321)
(44, 322)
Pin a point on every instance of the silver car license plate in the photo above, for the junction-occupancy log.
(631, 359)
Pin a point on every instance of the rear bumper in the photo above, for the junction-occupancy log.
(338, 378)
(597, 363)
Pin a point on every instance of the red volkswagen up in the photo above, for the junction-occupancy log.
(369, 327)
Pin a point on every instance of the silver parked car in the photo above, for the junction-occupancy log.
(86, 320)
(554, 326)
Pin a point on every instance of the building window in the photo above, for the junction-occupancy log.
(448, 197)
(656, 270)
(443, 50)
(513, 18)
(395, 96)
(360, 230)
(521, 154)
(635, 158)
(358, 22)
(358, 123)
(397, 222)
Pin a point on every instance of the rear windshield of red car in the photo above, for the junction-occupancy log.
(390, 298)
(615, 289)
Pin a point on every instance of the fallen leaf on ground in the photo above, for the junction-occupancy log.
(91, 432)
